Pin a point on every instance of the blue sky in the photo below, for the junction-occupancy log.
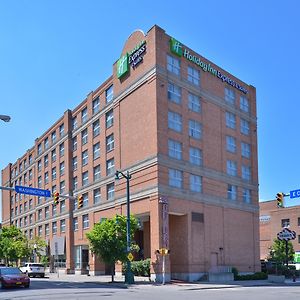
(54, 52)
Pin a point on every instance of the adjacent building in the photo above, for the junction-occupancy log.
(185, 129)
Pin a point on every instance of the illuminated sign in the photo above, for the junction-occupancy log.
(177, 48)
(132, 58)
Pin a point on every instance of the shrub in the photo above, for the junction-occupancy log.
(255, 276)
(139, 267)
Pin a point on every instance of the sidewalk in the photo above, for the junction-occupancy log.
(119, 281)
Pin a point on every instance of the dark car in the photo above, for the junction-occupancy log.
(11, 276)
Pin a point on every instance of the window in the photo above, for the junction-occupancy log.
(53, 173)
(84, 136)
(245, 127)
(61, 150)
(54, 210)
(109, 94)
(246, 195)
(74, 123)
(25, 206)
(195, 183)
(74, 143)
(30, 204)
(30, 174)
(244, 104)
(54, 227)
(230, 144)
(173, 65)
(30, 219)
(40, 181)
(62, 225)
(97, 173)
(194, 103)
(229, 96)
(46, 143)
(84, 115)
(230, 120)
(110, 143)
(75, 183)
(245, 150)
(21, 208)
(46, 161)
(231, 192)
(285, 223)
(231, 168)
(53, 137)
(174, 121)
(96, 128)
(174, 93)
(46, 177)
(298, 221)
(246, 173)
(62, 205)
(110, 191)
(85, 198)
(96, 150)
(39, 200)
(61, 130)
(40, 229)
(85, 178)
(85, 221)
(193, 75)
(74, 163)
(195, 156)
(53, 155)
(75, 223)
(85, 157)
(110, 167)
(175, 149)
(195, 129)
(39, 166)
(47, 212)
(62, 187)
(175, 178)
(96, 105)
(62, 168)
(39, 149)
(109, 118)
(97, 195)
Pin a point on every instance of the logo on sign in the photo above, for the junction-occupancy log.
(286, 235)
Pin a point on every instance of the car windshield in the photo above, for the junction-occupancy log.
(10, 271)
(36, 265)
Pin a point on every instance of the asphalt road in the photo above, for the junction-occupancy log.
(46, 289)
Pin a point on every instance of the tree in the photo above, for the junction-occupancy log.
(277, 251)
(13, 244)
(108, 240)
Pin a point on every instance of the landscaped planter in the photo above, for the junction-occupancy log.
(276, 278)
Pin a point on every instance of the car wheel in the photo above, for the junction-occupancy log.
(3, 286)
(26, 286)
(42, 275)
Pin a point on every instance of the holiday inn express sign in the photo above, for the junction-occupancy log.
(178, 49)
(132, 58)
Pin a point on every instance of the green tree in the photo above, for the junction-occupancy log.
(277, 251)
(13, 244)
(108, 240)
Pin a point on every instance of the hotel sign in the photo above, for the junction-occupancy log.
(132, 58)
(178, 49)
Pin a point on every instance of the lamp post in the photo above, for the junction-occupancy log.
(5, 118)
(129, 278)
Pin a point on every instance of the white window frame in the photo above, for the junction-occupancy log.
(110, 142)
(175, 149)
(232, 192)
(96, 105)
(245, 149)
(174, 121)
(84, 158)
(195, 156)
(195, 129)
(231, 167)
(174, 93)
(246, 173)
(193, 76)
(195, 183)
(245, 127)
(229, 95)
(173, 65)
(231, 144)
(194, 103)
(230, 120)
(175, 178)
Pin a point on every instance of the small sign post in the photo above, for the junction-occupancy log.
(286, 235)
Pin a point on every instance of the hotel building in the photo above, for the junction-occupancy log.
(185, 129)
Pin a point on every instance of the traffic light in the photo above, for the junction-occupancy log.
(279, 198)
(56, 198)
(80, 201)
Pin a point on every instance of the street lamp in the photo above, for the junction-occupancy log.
(5, 118)
(129, 278)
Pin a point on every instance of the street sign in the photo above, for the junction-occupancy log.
(130, 256)
(295, 194)
(286, 235)
(32, 191)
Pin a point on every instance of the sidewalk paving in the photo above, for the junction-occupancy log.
(120, 282)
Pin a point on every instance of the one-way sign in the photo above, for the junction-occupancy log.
(32, 191)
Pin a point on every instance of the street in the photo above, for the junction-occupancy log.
(76, 290)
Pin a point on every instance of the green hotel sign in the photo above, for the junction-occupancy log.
(132, 58)
(178, 49)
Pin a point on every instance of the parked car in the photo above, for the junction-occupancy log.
(33, 269)
(12, 276)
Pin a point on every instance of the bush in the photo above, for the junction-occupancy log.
(255, 276)
(139, 267)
